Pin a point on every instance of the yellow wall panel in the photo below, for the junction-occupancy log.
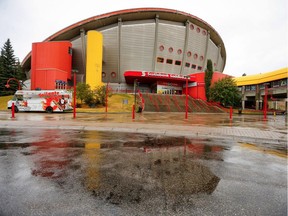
(94, 59)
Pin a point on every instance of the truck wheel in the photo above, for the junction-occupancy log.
(49, 109)
(16, 110)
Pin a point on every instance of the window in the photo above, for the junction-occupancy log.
(187, 64)
(193, 66)
(191, 27)
(199, 68)
(195, 56)
(170, 49)
(103, 74)
(113, 74)
(283, 82)
(177, 62)
(198, 30)
(247, 88)
(253, 88)
(204, 32)
(189, 53)
(160, 60)
(161, 48)
(201, 58)
(179, 51)
(169, 61)
(70, 50)
(275, 83)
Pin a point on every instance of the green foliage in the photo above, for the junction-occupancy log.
(92, 97)
(226, 92)
(100, 94)
(83, 92)
(208, 78)
(9, 68)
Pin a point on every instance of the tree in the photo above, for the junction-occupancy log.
(208, 78)
(91, 97)
(100, 93)
(83, 92)
(9, 68)
(226, 92)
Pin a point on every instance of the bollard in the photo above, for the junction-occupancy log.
(13, 110)
(133, 111)
(231, 111)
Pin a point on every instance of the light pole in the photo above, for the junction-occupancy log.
(134, 105)
(106, 98)
(265, 102)
(74, 93)
(186, 100)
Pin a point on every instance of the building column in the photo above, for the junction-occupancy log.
(83, 49)
(218, 56)
(206, 51)
(119, 49)
(185, 46)
(155, 43)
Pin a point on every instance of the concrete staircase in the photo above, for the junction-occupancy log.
(176, 103)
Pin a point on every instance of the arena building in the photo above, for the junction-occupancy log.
(157, 48)
(254, 87)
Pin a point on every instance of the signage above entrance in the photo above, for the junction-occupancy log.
(151, 77)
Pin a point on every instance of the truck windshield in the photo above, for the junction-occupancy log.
(18, 97)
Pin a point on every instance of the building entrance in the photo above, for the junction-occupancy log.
(169, 88)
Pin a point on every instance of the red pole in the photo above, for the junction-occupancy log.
(133, 111)
(74, 97)
(265, 103)
(231, 112)
(106, 99)
(186, 101)
(13, 110)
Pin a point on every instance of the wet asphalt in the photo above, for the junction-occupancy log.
(156, 164)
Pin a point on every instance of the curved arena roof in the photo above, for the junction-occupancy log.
(262, 78)
(137, 14)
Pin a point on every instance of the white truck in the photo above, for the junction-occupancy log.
(43, 100)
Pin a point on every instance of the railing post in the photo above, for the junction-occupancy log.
(133, 111)
(13, 110)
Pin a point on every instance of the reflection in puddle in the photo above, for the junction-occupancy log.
(280, 151)
(124, 168)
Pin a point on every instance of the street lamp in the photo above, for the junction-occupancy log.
(74, 93)
(8, 86)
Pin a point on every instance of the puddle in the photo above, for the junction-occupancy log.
(119, 167)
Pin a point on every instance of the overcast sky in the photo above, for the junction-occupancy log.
(255, 32)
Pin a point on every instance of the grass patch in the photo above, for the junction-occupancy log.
(115, 104)
(3, 101)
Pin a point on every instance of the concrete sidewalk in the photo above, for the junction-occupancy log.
(242, 128)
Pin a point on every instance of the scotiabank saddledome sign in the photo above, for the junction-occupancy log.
(162, 75)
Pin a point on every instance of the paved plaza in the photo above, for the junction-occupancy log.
(240, 127)
(156, 164)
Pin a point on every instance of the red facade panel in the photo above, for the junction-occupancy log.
(51, 62)
(198, 91)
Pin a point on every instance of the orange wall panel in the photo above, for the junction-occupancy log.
(50, 61)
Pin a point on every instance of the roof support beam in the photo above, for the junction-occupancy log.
(155, 42)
